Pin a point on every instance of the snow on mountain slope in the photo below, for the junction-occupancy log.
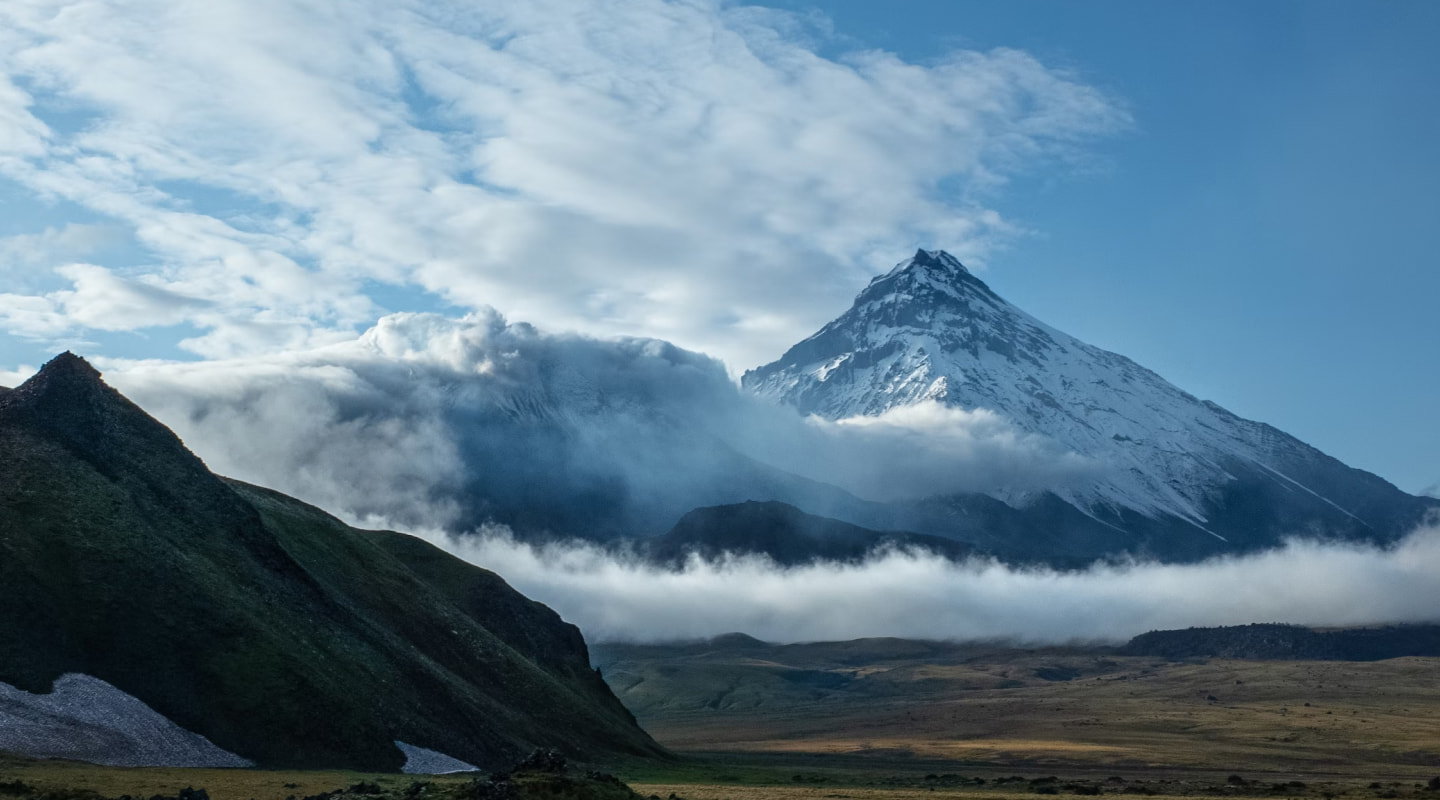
(930, 330)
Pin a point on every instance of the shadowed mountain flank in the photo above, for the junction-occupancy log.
(267, 626)
(784, 534)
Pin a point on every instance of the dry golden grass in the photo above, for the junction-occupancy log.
(936, 748)
(1378, 719)
(691, 791)
(724, 792)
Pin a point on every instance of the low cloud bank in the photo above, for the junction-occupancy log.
(915, 595)
(915, 451)
(431, 422)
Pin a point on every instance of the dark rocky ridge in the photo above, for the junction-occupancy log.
(1273, 642)
(257, 621)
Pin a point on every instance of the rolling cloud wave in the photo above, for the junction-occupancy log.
(916, 595)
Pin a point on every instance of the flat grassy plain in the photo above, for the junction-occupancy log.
(992, 711)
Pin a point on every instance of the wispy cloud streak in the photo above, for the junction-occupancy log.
(694, 171)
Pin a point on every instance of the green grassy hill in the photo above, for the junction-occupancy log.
(257, 621)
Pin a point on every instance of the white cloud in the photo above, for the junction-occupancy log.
(423, 418)
(55, 245)
(21, 134)
(32, 317)
(683, 169)
(922, 596)
(920, 451)
(12, 378)
(105, 301)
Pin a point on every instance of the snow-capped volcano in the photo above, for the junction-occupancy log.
(930, 330)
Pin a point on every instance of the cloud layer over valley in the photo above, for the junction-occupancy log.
(417, 422)
(922, 596)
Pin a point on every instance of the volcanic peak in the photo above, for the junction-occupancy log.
(930, 278)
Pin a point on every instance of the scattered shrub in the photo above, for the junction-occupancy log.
(542, 760)
(492, 787)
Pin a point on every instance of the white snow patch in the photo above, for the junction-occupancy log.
(87, 719)
(423, 761)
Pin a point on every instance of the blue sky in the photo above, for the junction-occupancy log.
(1237, 195)
(1266, 234)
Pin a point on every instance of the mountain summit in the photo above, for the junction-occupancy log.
(930, 330)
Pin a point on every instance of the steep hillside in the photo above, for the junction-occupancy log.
(263, 624)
